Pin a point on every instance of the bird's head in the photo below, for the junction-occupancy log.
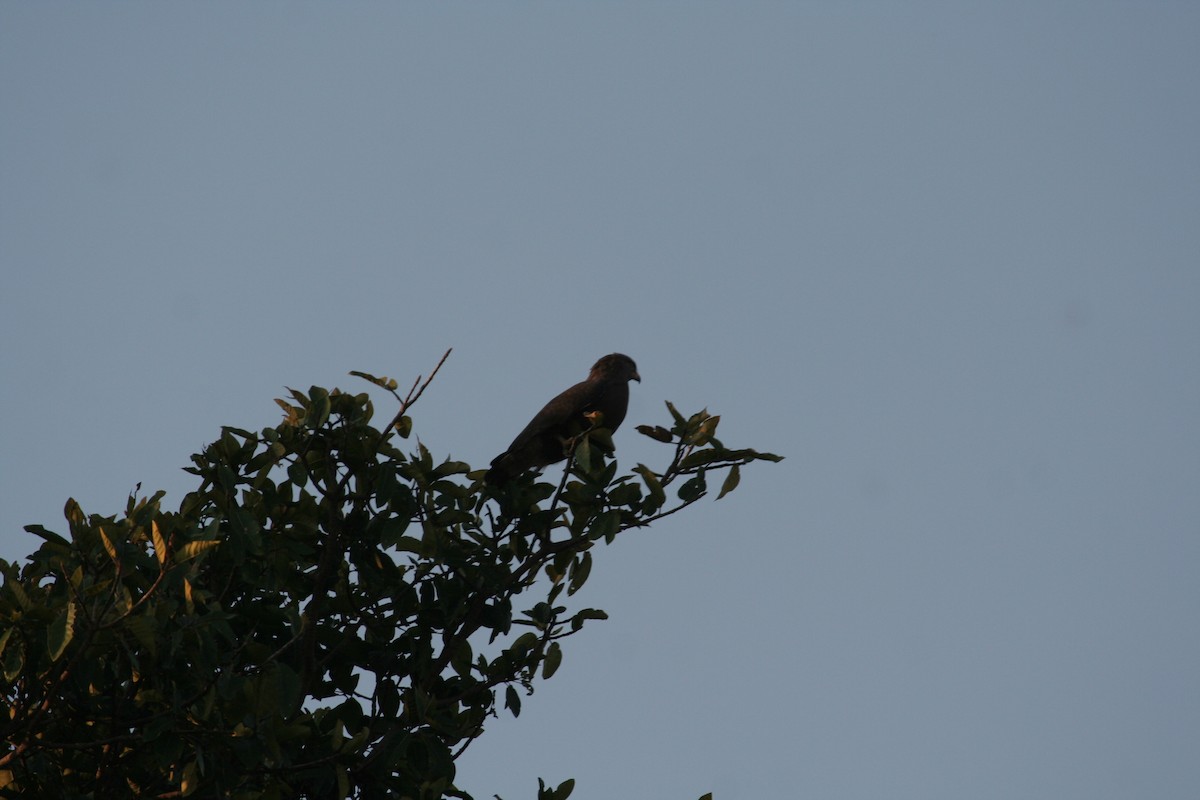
(615, 367)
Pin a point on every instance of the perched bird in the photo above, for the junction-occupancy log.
(543, 442)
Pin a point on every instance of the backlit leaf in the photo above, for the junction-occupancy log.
(160, 544)
(108, 546)
(190, 781)
(731, 481)
(14, 660)
(60, 632)
(193, 549)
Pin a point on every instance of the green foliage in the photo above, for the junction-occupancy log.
(324, 616)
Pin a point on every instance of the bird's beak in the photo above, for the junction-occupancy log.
(637, 377)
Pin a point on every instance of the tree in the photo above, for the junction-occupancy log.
(326, 615)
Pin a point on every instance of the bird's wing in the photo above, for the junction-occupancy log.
(555, 416)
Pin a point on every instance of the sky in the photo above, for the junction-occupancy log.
(944, 257)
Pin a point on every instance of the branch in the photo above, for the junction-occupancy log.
(412, 398)
(592, 419)
(567, 469)
(644, 522)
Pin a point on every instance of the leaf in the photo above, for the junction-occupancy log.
(193, 549)
(583, 452)
(731, 481)
(49, 536)
(291, 414)
(512, 701)
(460, 659)
(389, 698)
(60, 632)
(404, 426)
(190, 781)
(108, 546)
(524, 643)
(160, 545)
(679, 420)
(73, 512)
(705, 431)
(143, 629)
(584, 615)
(656, 432)
(383, 382)
(658, 496)
(693, 489)
(298, 396)
(18, 592)
(14, 661)
(297, 473)
(625, 494)
(580, 568)
(605, 525)
(343, 782)
(287, 686)
(318, 411)
(553, 660)
(701, 457)
(561, 793)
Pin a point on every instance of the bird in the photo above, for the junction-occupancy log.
(544, 439)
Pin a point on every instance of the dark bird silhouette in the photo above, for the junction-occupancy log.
(544, 440)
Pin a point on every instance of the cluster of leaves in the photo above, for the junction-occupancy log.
(325, 616)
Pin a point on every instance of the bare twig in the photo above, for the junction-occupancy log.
(408, 401)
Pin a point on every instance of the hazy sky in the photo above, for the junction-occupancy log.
(945, 257)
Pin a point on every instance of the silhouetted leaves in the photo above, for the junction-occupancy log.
(310, 622)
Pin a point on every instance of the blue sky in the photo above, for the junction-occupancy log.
(944, 257)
